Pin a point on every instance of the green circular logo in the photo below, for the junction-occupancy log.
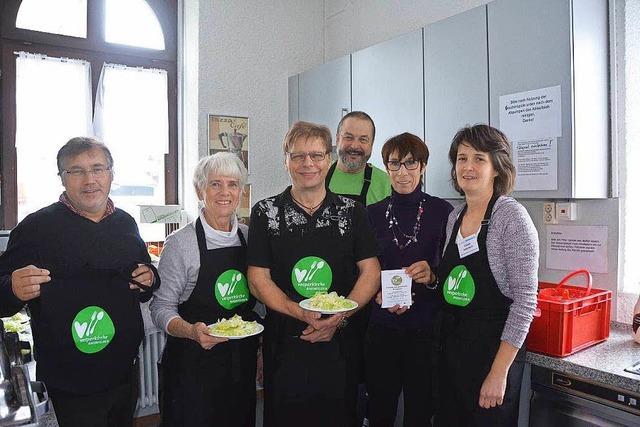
(396, 280)
(311, 275)
(459, 287)
(92, 329)
(231, 289)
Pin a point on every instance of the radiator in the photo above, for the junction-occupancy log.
(149, 354)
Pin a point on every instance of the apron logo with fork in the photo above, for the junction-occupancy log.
(459, 287)
(92, 329)
(311, 275)
(231, 289)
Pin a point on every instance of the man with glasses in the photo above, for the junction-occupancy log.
(303, 241)
(81, 268)
(351, 175)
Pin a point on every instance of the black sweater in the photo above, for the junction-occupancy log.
(60, 240)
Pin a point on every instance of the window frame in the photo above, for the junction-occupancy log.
(96, 51)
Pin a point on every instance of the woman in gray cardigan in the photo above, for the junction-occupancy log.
(488, 277)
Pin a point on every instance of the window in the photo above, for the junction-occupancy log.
(65, 17)
(131, 118)
(123, 15)
(53, 105)
(78, 67)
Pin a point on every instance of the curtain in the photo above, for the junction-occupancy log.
(132, 118)
(53, 104)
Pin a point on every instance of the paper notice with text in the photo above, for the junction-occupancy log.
(532, 114)
(536, 163)
(571, 247)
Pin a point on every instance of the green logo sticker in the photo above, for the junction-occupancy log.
(459, 287)
(396, 280)
(231, 289)
(92, 329)
(310, 275)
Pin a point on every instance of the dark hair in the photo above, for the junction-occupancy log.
(489, 140)
(79, 145)
(358, 115)
(306, 130)
(406, 143)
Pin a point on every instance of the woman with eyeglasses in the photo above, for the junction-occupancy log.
(303, 241)
(207, 380)
(409, 227)
(488, 281)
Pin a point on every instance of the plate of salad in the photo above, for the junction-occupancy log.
(19, 323)
(328, 303)
(235, 328)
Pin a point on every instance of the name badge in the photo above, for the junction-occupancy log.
(468, 246)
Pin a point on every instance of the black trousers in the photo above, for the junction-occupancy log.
(311, 385)
(204, 388)
(396, 361)
(110, 408)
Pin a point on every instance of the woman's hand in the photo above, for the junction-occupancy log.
(396, 309)
(200, 334)
(492, 390)
(420, 272)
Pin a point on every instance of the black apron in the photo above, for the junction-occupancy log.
(212, 387)
(362, 197)
(468, 332)
(89, 329)
(311, 384)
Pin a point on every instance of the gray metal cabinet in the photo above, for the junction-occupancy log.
(457, 88)
(545, 43)
(325, 93)
(293, 99)
(387, 83)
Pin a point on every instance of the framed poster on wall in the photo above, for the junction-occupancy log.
(229, 133)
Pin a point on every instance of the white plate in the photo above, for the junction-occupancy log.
(237, 337)
(306, 304)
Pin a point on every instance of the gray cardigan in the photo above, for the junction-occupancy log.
(513, 251)
(178, 268)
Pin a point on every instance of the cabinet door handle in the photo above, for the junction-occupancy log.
(563, 381)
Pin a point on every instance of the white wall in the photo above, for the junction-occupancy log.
(247, 51)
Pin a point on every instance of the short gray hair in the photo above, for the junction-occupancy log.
(222, 163)
(79, 145)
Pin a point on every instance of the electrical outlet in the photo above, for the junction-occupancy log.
(549, 213)
(567, 211)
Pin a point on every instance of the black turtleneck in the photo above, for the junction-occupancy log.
(429, 246)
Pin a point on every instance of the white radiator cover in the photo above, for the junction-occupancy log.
(149, 354)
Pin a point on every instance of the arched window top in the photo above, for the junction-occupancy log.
(132, 23)
(65, 17)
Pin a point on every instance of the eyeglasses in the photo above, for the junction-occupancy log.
(97, 172)
(315, 156)
(394, 165)
(347, 137)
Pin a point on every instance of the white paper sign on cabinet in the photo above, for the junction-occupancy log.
(536, 162)
(532, 114)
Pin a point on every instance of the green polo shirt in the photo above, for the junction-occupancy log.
(351, 183)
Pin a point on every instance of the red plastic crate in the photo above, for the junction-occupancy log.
(565, 324)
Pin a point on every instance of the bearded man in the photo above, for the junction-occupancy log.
(351, 176)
